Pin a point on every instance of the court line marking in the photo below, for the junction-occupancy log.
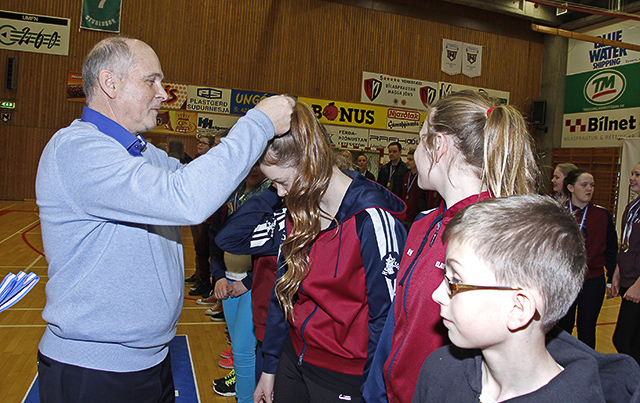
(20, 231)
(8, 207)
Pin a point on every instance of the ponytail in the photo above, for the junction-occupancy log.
(492, 138)
(509, 165)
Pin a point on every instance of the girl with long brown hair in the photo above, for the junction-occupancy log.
(339, 255)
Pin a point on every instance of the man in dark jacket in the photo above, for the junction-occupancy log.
(391, 174)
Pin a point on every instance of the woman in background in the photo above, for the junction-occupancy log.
(625, 281)
(557, 181)
(601, 244)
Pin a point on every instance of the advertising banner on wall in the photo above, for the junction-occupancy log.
(405, 120)
(208, 100)
(171, 121)
(176, 96)
(348, 114)
(601, 102)
(210, 124)
(381, 139)
(350, 137)
(381, 89)
(101, 15)
(242, 101)
(448, 88)
(34, 33)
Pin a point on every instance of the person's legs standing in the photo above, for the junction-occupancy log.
(244, 349)
(626, 337)
(589, 304)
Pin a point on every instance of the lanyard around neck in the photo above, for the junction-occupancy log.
(584, 213)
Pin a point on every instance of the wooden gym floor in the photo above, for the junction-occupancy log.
(21, 326)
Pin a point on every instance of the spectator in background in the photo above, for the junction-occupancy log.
(626, 278)
(410, 191)
(601, 243)
(176, 150)
(349, 157)
(561, 172)
(362, 164)
(391, 174)
(200, 233)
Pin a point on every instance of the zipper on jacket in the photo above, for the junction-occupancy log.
(335, 271)
(304, 343)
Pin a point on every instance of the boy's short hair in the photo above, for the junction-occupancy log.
(528, 241)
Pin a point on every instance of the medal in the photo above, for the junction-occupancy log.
(624, 247)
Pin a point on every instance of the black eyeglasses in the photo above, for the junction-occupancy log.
(454, 288)
(203, 143)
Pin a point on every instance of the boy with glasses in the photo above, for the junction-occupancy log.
(514, 265)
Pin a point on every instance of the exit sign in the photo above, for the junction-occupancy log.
(7, 105)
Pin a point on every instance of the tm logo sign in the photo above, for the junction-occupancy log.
(605, 87)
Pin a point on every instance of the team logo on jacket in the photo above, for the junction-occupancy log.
(390, 272)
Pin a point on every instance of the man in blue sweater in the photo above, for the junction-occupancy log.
(111, 207)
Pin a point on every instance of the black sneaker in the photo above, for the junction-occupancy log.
(226, 388)
(217, 317)
(203, 288)
(220, 381)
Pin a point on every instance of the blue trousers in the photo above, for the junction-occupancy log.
(239, 317)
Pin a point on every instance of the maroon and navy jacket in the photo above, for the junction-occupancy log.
(600, 240)
(343, 302)
(414, 328)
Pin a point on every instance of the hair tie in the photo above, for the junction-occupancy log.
(489, 110)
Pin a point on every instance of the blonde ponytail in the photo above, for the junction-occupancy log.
(492, 139)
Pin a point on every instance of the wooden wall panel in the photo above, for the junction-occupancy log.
(310, 48)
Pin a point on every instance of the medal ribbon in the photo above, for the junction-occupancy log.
(584, 213)
(633, 213)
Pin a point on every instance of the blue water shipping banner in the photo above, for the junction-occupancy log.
(601, 102)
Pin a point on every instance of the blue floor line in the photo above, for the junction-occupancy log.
(184, 378)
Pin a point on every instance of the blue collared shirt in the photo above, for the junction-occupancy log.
(132, 143)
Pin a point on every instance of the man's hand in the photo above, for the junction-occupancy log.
(278, 108)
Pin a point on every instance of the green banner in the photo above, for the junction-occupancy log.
(101, 15)
(606, 89)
